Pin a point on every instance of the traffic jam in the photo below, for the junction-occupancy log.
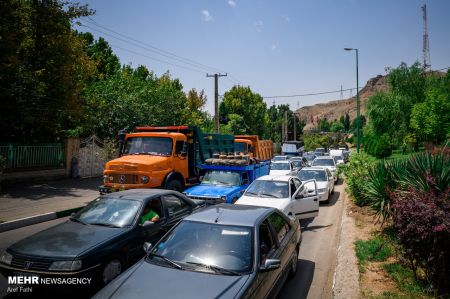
(211, 212)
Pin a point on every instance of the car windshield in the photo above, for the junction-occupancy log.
(297, 163)
(240, 147)
(216, 177)
(280, 166)
(160, 146)
(318, 175)
(206, 245)
(310, 157)
(109, 212)
(279, 158)
(323, 162)
(263, 188)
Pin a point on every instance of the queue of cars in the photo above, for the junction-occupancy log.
(241, 250)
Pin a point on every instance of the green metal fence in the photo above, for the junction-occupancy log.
(32, 156)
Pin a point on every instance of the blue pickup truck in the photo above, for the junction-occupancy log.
(226, 183)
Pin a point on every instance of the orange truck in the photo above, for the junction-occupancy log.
(250, 144)
(162, 157)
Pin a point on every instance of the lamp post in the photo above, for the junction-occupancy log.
(357, 100)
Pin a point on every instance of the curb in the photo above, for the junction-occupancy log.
(15, 224)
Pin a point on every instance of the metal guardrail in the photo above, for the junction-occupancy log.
(32, 156)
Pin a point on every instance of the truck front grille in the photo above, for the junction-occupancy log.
(208, 200)
(124, 179)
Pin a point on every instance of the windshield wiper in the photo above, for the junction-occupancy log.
(248, 192)
(169, 261)
(270, 195)
(105, 224)
(216, 269)
(77, 220)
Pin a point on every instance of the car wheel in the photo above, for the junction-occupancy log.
(294, 263)
(112, 268)
(175, 185)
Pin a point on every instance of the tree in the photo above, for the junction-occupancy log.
(431, 119)
(337, 126)
(346, 122)
(249, 105)
(196, 101)
(43, 69)
(324, 125)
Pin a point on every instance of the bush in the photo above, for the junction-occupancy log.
(357, 172)
(422, 223)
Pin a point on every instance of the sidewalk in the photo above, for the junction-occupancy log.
(25, 200)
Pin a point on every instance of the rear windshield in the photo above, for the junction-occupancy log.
(323, 162)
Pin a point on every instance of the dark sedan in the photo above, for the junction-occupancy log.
(223, 251)
(101, 240)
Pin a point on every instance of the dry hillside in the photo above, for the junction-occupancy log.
(335, 109)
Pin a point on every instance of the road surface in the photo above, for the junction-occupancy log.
(317, 256)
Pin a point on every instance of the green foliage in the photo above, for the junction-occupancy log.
(324, 125)
(250, 106)
(374, 250)
(337, 127)
(357, 173)
(276, 116)
(383, 147)
(405, 279)
(313, 141)
(431, 118)
(44, 69)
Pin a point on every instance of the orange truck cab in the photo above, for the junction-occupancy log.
(162, 157)
(250, 144)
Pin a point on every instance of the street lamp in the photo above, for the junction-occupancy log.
(357, 99)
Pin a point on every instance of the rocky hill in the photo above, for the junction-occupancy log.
(335, 109)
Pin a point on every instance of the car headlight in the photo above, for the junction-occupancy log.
(65, 265)
(322, 190)
(144, 179)
(6, 258)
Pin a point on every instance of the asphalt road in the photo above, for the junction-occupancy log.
(317, 257)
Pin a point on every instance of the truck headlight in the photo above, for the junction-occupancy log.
(144, 179)
(6, 258)
(223, 198)
(65, 265)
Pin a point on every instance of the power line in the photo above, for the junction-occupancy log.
(308, 94)
(154, 49)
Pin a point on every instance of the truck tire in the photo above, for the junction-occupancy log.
(175, 185)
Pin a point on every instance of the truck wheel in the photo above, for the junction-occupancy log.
(175, 185)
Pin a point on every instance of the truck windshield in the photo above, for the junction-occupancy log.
(227, 178)
(148, 146)
(240, 147)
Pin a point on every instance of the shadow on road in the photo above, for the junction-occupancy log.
(315, 227)
(63, 188)
(334, 198)
(298, 286)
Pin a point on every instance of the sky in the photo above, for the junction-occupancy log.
(276, 47)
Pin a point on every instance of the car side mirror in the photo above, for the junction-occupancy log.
(270, 264)
(299, 196)
(147, 247)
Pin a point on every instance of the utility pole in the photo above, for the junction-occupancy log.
(286, 129)
(216, 99)
(295, 127)
(426, 41)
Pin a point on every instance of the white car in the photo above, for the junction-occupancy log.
(327, 162)
(338, 156)
(279, 158)
(286, 193)
(324, 179)
(282, 168)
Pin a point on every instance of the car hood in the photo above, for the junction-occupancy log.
(279, 172)
(68, 239)
(211, 190)
(145, 279)
(279, 203)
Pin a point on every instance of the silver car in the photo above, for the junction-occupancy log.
(223, 251)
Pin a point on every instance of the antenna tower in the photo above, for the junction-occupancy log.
(426, 41)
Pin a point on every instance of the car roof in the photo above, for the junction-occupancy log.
(313, 168)
(274, 177)
(227, 214)
(324, 157)
(140, 194)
